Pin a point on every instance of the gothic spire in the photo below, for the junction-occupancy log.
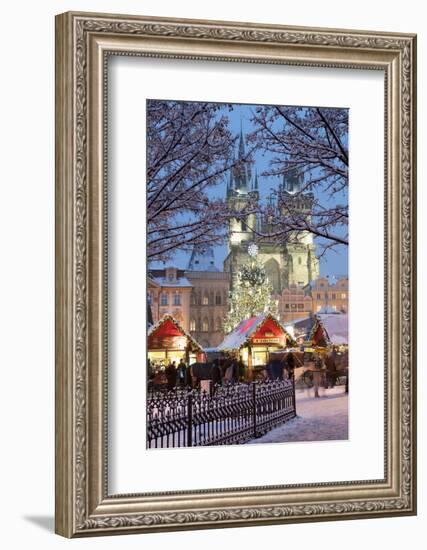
(241, 142)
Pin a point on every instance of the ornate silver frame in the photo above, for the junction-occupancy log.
(83, 505)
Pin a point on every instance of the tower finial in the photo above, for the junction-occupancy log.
(241, 141)
(256, 181)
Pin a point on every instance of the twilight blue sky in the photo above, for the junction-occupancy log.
(333, 262)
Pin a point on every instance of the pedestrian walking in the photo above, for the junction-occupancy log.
(182, 373)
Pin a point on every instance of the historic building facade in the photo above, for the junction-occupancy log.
(169, 292)
(330, 293)
(294, 303)
(293, 263)
(209, 297)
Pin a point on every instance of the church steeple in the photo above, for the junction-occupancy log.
(242, 170)
(255, 186)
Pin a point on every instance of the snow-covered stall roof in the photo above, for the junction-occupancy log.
(174, 328)
(336, 326)
(246, 329)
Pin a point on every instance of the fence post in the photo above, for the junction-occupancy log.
(190, 420)
(293, 394)
(254, 406)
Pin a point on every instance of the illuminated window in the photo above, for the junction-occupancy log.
(343, 295)
(205, 299)
(205, 325)
(193, 324)
(218, 324)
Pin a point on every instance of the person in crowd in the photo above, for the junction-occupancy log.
(216, 372)
(182, 373)
(229, 372)
(331, 370)
(171, 375)
(317, 373)
(290, 365)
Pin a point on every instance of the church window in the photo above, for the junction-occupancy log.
(205, 325)
(193, 325)
(205, 299)
(164, 299)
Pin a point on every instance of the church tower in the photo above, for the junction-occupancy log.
(293, 262)
(242, 188)
(303, 265)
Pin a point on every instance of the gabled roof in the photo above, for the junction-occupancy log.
(202, 259)
(170, 319)
(336, 325)
(246, 329)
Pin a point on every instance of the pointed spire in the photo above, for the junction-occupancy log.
(241, 141)
(256, 181)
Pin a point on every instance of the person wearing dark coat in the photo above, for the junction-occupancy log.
(170, 372)
(216, 373)
(182, 373)
(290, 365)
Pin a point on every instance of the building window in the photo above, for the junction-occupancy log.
(218, 299)
(218, 324)
(177, 299)
(193, 325)
(343, 295)
(301, 307)
(205, 299)
(164, 299)
(193, 299)
(286, 306)
(318, 296)
(334, 296)
(205, 325)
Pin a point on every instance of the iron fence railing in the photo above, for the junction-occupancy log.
(224, 415)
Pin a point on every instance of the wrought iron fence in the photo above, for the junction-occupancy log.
(225, 415)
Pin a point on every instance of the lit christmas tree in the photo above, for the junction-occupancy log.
(252, 293)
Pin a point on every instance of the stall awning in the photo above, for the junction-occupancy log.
(168, 328)
(262, 329)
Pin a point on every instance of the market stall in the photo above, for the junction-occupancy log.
(252, 341)
(168, 342)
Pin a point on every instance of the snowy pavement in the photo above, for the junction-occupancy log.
(318, 419)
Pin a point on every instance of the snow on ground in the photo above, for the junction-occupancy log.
(318, 419)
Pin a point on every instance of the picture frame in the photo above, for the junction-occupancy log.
(84, 506)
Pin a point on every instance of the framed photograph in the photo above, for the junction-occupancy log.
(235, 274)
